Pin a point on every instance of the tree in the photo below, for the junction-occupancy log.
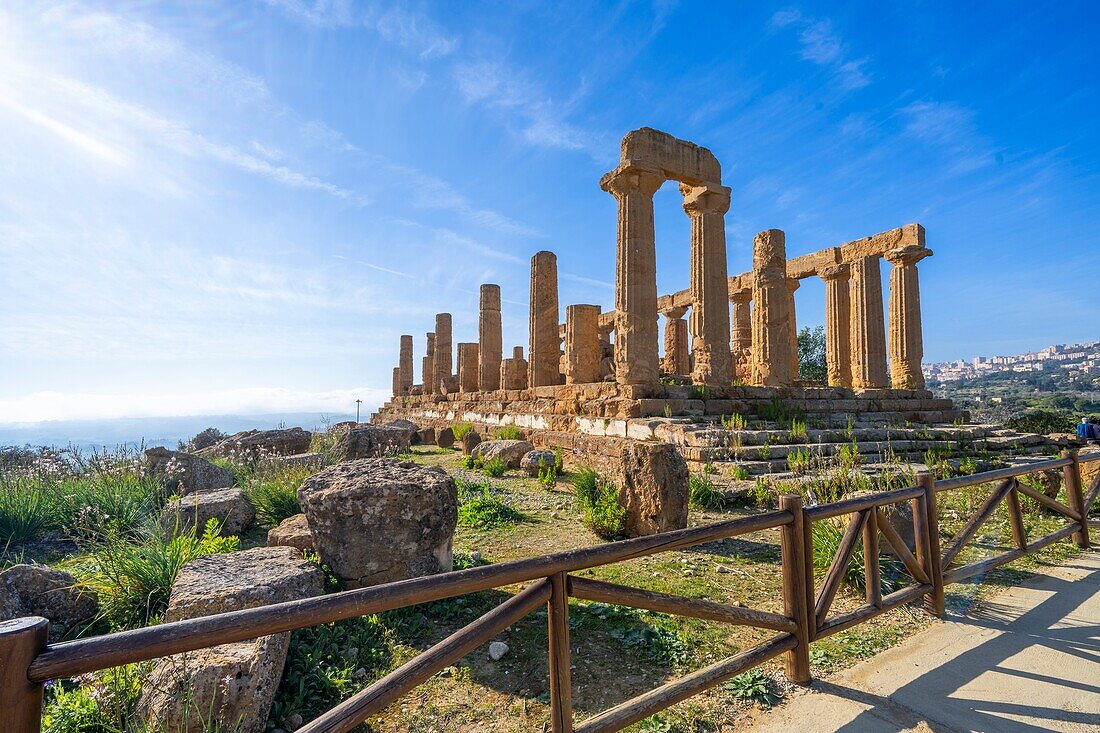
(811, 355)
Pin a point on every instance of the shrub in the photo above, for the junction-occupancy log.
(798, 430)
(1043, 421)
(204, 439)
(739, 473)
(733, 422)
(703, 494)
(488, 512)
(469, 462)
(799, 461)
(509, 432)
(461, 430)
(761, 492)
(599, 499)
(134, 578)
(104, 702)
(494, 467)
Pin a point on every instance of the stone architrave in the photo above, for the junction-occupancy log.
(467, 367)
(793, 285)
(868, 331)
(906, 335)
(582, 344)
(427, 366)
(771, 322)
(676, 342)
(545, 342)
(838, 339)
(442, 371)
(741, 333)
(489, 339)
(636, 357)
(396, 386)
(710, 315)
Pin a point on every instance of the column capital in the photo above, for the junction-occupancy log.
(741, 295)
(793, 283)
(708, 198)
(631, 178)
(836, 272)
(909, 255)
(675, 312)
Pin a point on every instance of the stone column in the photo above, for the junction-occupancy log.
(397, 382)
(676, 342)
(710, 311)
(792, 285)
(636, 355)
(442, 372)
(607, 352)
(513, 371)
(467, 367)
(906, 334)
(741, 333)
(582, 344)
(489, 339)
(838, 334)
(771, 322)
(868, 332)
(545, 349)
(427, 366)
(405, 364)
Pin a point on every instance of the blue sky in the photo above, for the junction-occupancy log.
(240, 207)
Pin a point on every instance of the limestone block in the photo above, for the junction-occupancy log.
(229, 507)
(509, 451)
(291, 532)
(377, 520)
(183, 473)
(39, 590)
(653, 487)
(371, 441)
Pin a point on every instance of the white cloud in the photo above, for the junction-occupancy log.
(822, 45)
(951, 128)
(49, 405)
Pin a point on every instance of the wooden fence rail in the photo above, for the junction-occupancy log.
(26, 661)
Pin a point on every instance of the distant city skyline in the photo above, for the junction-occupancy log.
(240, 207)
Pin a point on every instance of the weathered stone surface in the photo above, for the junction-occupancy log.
(441, 368)
(545, 349)
(653, 488)
(257, 443)
(407, 426)
(376, 520)
(38, 590)
(838, 334)
(291, 532)
(582, 344)
(490, 343)
(867, 326)
(405, 364)
(741, 333)
(230, 686)
(183, 473)
(229, 507)
(371, 441)
(509, 451)
(445, 438)
(467, 367)
(906, 336)
(425, 436)
(1090, 470)
(536, 460)
(470, 441)
(771, 317)
(706, 203)
(677, 352)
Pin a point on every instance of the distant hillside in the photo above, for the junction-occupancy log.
(150, 431)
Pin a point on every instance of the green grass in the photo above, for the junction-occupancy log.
(509, 432)
(599, 499)
(480, 507)
(105, 702)
(25, 511)
(494, 467)
(461, 430)
(703, 494)
(133, 577)
(274, 493)
(754, 686)
(827, 536)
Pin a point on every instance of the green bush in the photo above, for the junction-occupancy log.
(509, 432)
(461, 429)
(703, 494)
(104, 702)
(494, 467)
(1043, 421)
(600, 501)
(488, 513)
(133, 578)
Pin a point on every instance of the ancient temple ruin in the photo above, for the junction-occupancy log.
(730, 343)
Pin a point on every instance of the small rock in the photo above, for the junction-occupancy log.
(497, 649)
(723, 569)
(293, 721)
(475, 556)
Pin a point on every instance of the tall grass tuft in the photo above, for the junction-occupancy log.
(274, 492)
(133, 576)
(704, 495)
(599, 499)
(461, 430)
(826, 543)
(509, 432)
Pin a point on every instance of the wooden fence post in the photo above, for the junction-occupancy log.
(21, 640)
(792, 541)
(561, 682)
(1072, 475)
(928, 543)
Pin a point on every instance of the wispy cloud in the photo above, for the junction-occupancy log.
(822, 45)
(951, 128)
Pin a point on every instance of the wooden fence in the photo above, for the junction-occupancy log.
(27, 662)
